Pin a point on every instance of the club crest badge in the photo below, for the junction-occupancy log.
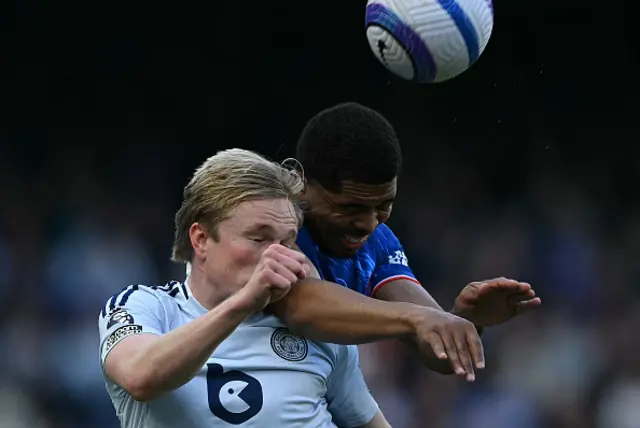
(288, 346)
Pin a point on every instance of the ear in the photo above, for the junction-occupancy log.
(198, 236)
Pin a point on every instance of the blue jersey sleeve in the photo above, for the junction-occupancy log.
(349, 400)
(134, 310)
(391, 261)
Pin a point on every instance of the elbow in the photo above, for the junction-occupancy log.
(141, 393)
(141, 386)
(140, 389)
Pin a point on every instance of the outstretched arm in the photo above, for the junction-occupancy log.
(328, 312)
(331, 314)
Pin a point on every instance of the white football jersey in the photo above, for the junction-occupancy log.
(261, 376)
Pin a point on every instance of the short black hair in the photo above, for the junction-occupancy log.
(349, 142)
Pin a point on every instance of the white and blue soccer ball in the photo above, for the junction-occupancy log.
(428, 41)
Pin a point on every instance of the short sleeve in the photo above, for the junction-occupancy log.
(391, 261)
(134, 310)
(349, 400)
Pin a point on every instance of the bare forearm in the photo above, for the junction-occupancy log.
(328, 312)
(407, 291)
(172, 360)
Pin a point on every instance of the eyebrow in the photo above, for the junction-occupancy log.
(364, 204)
(270, 229)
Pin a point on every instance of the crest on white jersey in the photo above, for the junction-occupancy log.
(288, 346)
(398, 258)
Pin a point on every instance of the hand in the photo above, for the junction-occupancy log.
(495, 301)
(450, 338)
(278, 268)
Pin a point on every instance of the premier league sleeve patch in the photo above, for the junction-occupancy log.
(119, 334)
(119, 316)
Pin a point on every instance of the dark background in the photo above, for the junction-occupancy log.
(525, 166)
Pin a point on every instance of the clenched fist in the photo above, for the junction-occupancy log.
(278, 268)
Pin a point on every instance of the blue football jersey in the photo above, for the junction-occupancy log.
(379, 261)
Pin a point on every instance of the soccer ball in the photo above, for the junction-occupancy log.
(428, 41)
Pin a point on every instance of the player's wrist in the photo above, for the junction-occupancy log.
(463, 314)
(243, 303)
(415, 318)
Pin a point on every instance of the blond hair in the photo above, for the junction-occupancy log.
(223, 182)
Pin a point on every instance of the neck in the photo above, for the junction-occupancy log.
(206, 293)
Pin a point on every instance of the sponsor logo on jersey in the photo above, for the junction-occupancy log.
(288, 346)
(398, 258)
(234, 396)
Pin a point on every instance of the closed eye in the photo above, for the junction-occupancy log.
(384, 206)
(289, 243)
(351, 208)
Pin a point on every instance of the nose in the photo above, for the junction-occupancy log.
(367, 223)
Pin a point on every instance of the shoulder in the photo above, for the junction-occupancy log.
(383, 241)
(150, 297)
(383, 233)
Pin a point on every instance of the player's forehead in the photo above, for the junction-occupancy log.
(274, 216)
(367, 194)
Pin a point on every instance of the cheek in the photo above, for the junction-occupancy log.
(383, 216)
(330, 227)
(233, 262)
(244, 254)
(338, 221)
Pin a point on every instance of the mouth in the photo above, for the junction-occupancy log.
(353, 242)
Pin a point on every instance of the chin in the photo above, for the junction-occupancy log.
(344, 252)
(334, 248)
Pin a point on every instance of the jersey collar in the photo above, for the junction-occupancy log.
(190, 303)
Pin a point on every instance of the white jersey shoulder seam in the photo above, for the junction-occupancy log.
(163, 292)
